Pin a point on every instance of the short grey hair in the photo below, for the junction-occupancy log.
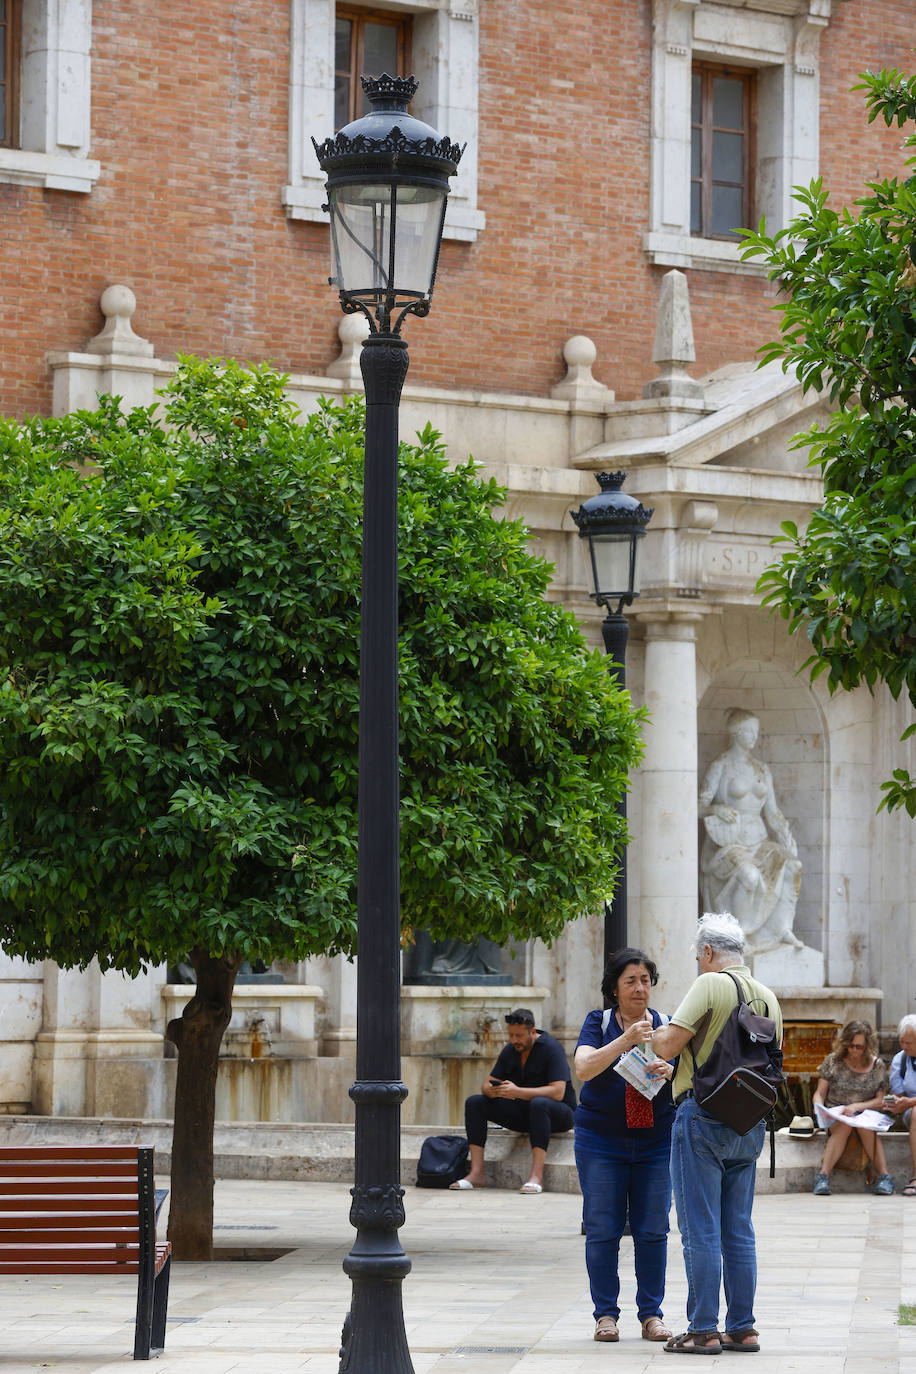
(721, 932)
(907, 1023)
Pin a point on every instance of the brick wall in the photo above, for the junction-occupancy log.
(189, 116)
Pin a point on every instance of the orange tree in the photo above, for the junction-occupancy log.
(179, 609)
(848, 328)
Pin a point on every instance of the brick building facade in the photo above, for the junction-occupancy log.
(188, 116)
(166, 148)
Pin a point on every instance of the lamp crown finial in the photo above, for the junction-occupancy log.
(399, 90)
(611, 481)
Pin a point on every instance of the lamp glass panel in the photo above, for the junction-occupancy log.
(611, 558)
(419, 229)
(361, 219)
(361, 237)
(637, 566)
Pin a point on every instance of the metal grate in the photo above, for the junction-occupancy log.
(491, 1350)
(246, 1228)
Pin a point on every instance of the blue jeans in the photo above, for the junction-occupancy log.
(713, 1170)
(618, 1175)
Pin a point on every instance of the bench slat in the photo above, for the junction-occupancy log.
(74, 1221)
(90, 1187)
(77, 1168)
(26, 1152)
(81, 1266)
(52, 1237)
(116, 1252)
(91, 1206)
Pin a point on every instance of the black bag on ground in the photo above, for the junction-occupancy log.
(739, 1082)
(443, 1161)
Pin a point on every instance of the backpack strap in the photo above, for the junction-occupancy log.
(738, 987)
(663, 1019)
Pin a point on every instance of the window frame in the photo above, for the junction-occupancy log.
(359, 17)
(708, 71)
(444, 58)
(54, 73)
(12, 42)
(780, 40)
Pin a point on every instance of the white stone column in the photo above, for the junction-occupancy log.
(59, 1071)
(21, 997)
(572, 969)
(667, 823)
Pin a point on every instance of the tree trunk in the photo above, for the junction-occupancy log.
(198, 1034)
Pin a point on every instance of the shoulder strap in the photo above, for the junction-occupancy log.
(738, 987)
(663, 1019)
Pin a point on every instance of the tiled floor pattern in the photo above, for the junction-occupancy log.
(498, 1287)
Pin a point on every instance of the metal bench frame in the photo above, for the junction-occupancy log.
(87, 1209)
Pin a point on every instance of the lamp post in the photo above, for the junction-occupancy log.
(614, 525)
(387, 180)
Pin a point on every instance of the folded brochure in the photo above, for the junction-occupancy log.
(633, 1067)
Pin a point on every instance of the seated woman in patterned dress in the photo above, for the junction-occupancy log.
(853, 1078)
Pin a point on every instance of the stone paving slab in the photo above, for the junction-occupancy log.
(498, 1287)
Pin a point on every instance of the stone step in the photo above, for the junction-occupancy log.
(323, 1152)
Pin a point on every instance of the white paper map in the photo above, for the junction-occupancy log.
(868, 1120)
(632, 1067)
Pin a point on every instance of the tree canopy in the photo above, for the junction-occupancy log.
(848, 327)
(179, 606)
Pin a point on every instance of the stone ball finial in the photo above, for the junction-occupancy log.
(118, 300)
(118, 304)
(351, 331)
(580, 351)
(579, 354)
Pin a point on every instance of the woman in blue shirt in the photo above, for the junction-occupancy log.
(902, 1097)
(623, 1143)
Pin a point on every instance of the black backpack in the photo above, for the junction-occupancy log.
(738, 1084)
(443, 1161)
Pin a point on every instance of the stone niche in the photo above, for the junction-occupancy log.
(792, 745)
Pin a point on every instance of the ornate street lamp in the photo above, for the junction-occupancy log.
(387, 178)
(614, 525)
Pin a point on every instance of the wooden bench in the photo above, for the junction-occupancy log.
(87, 1209)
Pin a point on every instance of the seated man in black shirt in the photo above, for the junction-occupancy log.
(528, 1090)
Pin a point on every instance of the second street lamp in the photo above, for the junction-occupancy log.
(614, 524)
(388, 179)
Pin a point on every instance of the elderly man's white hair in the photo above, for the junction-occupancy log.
(907, 1023)
(721, 932)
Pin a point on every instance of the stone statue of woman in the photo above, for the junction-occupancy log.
(743, 870)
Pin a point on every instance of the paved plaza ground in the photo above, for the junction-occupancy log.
(498, 1287)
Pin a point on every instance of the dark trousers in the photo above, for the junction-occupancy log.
(539, 1118)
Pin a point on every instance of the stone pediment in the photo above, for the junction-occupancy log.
(747, 418)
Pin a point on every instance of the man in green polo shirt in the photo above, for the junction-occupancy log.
(713, 1168)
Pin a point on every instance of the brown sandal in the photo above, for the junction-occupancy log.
(654, 1329)
(704, 1343)
(606, 1329)
(734, 1340)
